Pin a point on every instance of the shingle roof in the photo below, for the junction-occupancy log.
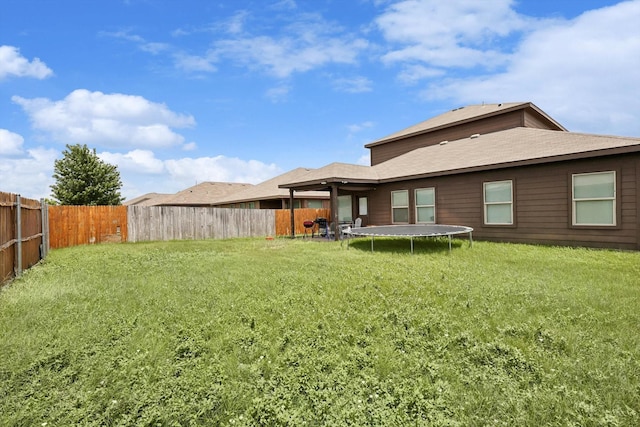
(501, 149)
(149, 199)
(269, 189)
(205, 193)
(461, 115)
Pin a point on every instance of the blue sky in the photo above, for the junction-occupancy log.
(179, 92)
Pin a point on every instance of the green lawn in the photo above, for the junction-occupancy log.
(282, 332)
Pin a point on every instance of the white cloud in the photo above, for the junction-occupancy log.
(364, 160)
(194, 63)
(285, 5)
(278, 93)
(307, 44)
(219, 168)
(30, 175)
(10, 143)
(236, 24)
(12, 63)
(138, 161)
(448, 33)
(353, 85)
(582, 72)
(150, 47)
(284, 56)
(110, 120)
(355, 128)
(412, 74)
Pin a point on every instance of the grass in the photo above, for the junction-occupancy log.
(289, 333)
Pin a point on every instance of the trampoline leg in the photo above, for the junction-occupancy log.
(371, 243)
(449, 243)
(411, 245)
(470, 239)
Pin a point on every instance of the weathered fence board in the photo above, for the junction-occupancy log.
(22, 239)
(283, 219)
(83, 225)
(149, 223)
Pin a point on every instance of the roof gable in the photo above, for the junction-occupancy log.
(464, 115)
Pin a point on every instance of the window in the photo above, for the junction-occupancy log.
(498, 203)
(426, 205)
(344, 209)
(363, 208)
(314, 204)
(296, 204)
(400, 206)
(594, 198)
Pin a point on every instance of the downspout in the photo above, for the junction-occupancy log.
(293, 220)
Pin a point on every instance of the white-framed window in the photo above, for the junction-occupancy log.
(345, 213)
(400, 207)
(594, 198)
(363, 207)
(498, 202)
(314, 204)
(426, 205)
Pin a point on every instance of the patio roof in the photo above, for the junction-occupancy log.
(334, 173)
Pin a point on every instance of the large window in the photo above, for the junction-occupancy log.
(345, 212)
(498, 203)
(363, 206)
(400, 206)
(314, 204)
(426, 205)
(594, 198)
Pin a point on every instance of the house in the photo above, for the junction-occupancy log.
(509, 170)
(203, 194)
(266, 195)
(149, 199)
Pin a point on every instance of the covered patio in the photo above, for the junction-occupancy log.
(340, 180)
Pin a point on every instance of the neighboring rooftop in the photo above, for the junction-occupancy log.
(269, 189)
(149, 199)
(204, 194)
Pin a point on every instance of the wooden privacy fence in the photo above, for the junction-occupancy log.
(23, 233)
(147, 223)
(83, 225)
(283, 219)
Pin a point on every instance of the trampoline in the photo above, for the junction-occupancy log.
(410, 231)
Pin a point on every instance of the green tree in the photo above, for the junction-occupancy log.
(82, 178)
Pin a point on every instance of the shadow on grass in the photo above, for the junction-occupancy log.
(421, 245)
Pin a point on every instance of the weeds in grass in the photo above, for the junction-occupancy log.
(253, 332)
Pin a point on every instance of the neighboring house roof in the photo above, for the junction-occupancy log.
(149, 199)
(204, 194)
(512, 147)
(463, 115)
(269, 189)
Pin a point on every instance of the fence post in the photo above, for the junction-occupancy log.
(18, 267)
(44, 215)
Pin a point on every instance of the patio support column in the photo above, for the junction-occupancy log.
(293, 220)
(334, 211)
